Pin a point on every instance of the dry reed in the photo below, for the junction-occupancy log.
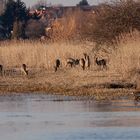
(126, 56)
(122, 58)
(38, 54)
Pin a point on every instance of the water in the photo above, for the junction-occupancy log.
(46, 117)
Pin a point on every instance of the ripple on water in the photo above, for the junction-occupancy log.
(47, 117)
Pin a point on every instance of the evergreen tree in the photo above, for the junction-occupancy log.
(8, 15)
(20, 11)
(15, 12)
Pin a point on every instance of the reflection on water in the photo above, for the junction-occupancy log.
(47, 117)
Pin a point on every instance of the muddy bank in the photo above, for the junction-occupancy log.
(94, 84)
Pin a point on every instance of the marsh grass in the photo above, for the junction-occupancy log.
(109, 40)
(121, 58)
(38, 54)
(74, 82)
(126, 56)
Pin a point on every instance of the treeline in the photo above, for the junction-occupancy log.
(104, 25)
(18, 22)
(112, 20)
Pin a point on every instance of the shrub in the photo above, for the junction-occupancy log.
(34, 29)
(113, 19)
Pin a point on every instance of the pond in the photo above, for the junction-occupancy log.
(48, 117)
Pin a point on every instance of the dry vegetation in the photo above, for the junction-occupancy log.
(39, 55)
(112, 37)
(75, 25)
(122, 62)
(111, 20)
(103, 26)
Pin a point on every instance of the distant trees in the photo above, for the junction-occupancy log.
(83, 3)
(39, 4)
(110, 21)
(14, 17)
(35, 29)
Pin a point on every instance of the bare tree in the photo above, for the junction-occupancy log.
(39, 4)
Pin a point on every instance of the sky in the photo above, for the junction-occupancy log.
(63, 2)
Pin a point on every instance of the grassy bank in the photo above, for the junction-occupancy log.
(119, 80)
(110, 33)
(92, 84)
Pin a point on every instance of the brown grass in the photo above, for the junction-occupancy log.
(122, 62)
(121, 58)
(126, 57)
(38, 54)
(108, 25)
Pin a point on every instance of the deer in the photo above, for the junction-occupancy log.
(87, 61)
(72, 62)
(24, 69)
(101, 63)
(1, 70)
(57, 64)
(82, 63)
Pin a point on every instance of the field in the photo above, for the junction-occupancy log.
(110, 33)
(120, 78)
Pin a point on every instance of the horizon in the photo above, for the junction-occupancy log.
(63, 2)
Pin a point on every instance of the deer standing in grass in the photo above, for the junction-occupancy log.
(82, 63)
(1, 70)
(101, 63)
(87, 61)
(24, 69)
(57, 64)
(72, 62)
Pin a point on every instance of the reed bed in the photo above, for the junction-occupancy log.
(126, 55)
(122, 59)
(39, 54)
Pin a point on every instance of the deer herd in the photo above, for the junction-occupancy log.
(84, 63)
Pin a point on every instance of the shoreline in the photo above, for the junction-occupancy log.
(66, 83)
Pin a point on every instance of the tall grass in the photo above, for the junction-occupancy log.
(126, 56)
(118, 22)
(38, 54)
